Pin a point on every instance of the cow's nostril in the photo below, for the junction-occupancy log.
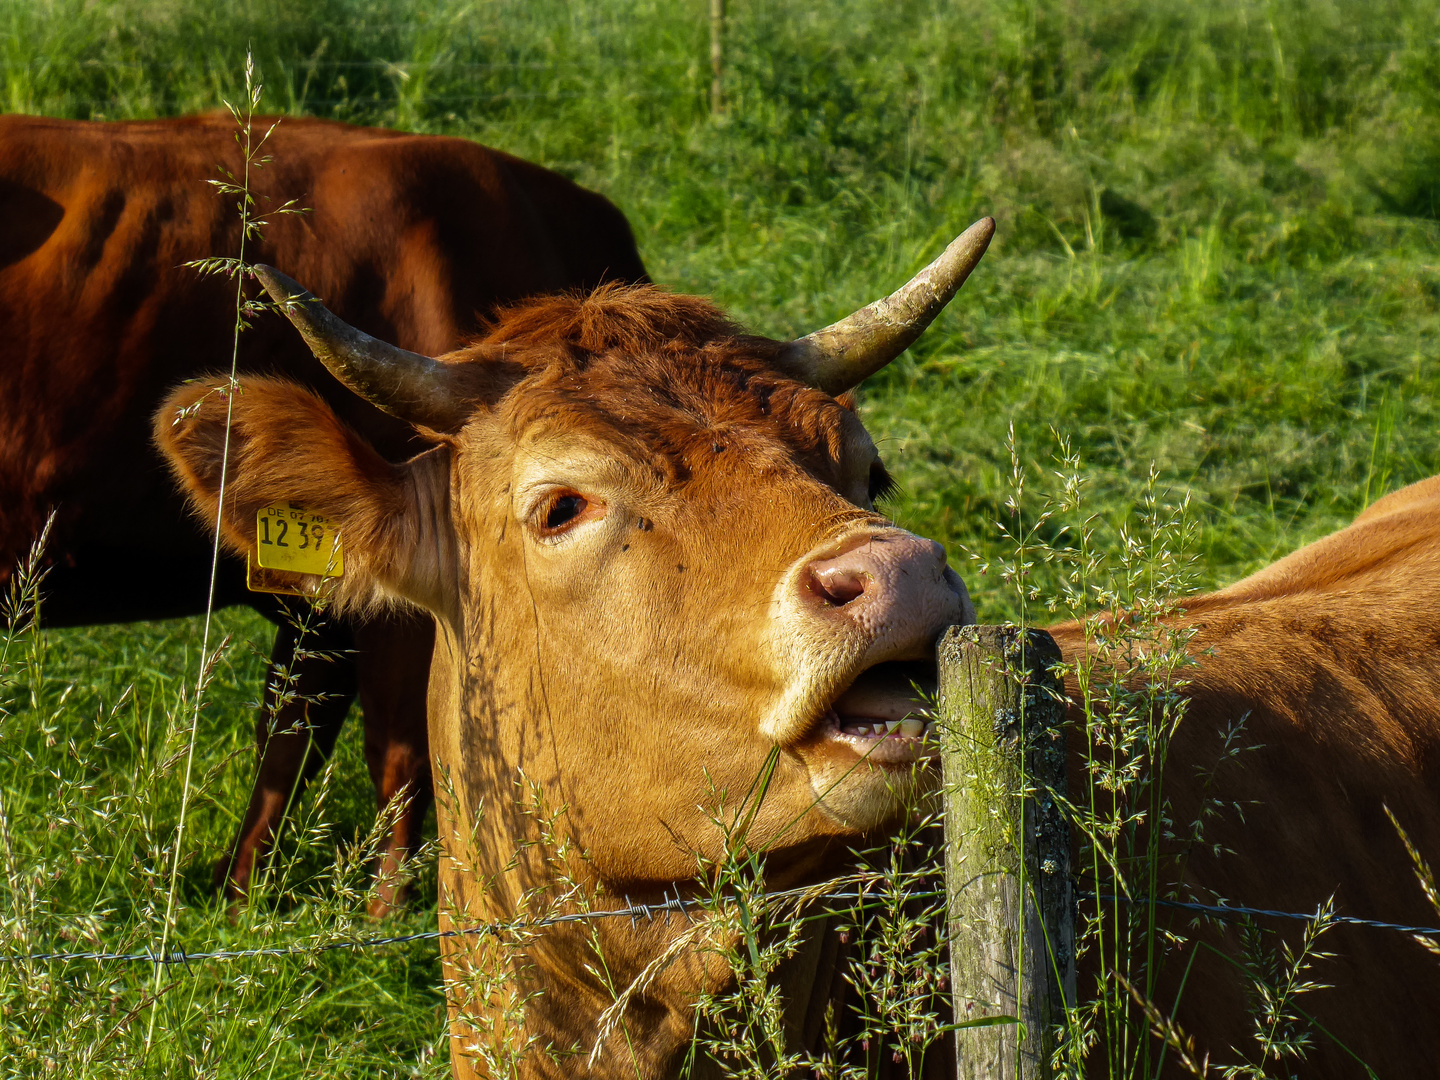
(837, 587)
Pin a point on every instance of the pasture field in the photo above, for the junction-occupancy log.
(1218, 255)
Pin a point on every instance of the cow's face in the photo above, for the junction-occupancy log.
(665, 569)
(653, 557)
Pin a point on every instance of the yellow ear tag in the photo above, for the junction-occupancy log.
(288, 537)
(282, 582)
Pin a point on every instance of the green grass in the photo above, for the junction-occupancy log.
(1219, 252)
(90, 802)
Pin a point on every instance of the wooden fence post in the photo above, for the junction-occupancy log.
(717, 56)
(1007, 848)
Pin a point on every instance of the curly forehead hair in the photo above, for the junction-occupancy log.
(673, 370)
(630, 319)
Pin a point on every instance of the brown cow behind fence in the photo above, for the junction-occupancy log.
(1331, 657)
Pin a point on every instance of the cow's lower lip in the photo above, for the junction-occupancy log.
(879, 741)
(885, 715)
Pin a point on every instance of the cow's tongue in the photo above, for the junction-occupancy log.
(884, 700)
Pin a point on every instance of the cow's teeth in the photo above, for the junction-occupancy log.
(911, 727)
(891, 725)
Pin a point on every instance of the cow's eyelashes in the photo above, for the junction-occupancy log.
(881, 483)
(564, 510)
(560, 510)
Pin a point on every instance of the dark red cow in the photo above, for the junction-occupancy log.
(414, 238)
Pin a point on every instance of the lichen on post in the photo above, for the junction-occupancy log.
(1007, 848)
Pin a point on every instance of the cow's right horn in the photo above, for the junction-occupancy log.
(409, 385)
(844, 354)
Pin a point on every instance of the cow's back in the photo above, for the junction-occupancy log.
(412, 238)
(1328, 663)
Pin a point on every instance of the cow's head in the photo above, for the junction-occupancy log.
(650, 545)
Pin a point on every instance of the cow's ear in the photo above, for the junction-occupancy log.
(287, 446)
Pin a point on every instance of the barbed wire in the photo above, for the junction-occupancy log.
(634, 911)
(637, 911)
(1234, 911)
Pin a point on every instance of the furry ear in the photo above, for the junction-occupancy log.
(286, 445)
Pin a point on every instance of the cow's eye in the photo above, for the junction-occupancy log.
(562, 510)
(881, 483)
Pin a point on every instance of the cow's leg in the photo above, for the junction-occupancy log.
(393, 652)
(308, 690)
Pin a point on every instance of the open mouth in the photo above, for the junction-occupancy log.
(887, 714)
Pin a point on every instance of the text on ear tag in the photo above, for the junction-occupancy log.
(288, 537)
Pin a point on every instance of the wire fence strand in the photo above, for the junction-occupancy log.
(637, 911)
(633, 911)
(1237, 911)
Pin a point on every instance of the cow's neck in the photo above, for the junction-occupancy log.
(542, 995)
(530, 1000)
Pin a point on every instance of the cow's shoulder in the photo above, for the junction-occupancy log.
(1337, 641)
(1421, 498)
(1394, 545)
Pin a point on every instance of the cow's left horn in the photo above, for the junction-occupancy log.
(845, 353)
(409, 385)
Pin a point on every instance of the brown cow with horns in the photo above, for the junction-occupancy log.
(649, 545)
